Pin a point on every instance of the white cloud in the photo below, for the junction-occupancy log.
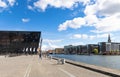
(50, 44)
(43, 4)
(90, 9)
(76, 36)
(103, 15)
(79, 36)
(75, 23)
(111, 12)
(78, 43)
(30, 7)
(91, 20)
(108, 7)
(91, 37)
(51, 41)
(48, 47)
(103, 7)
(44, 47)
(11, 2)
(4, 4)
(108, 24)
(25, 20)
(102, 35)
(84, 36)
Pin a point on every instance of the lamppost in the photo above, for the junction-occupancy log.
(39, 49)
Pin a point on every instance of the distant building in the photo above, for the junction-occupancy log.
(51, 51)
(84, 49)
(109, 47)
(80, 49)
(59, 50)
(68, 49)
(91, 47)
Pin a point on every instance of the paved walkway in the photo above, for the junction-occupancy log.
(32, 66)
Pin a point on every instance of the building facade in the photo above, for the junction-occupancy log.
(59, 51)
(68, 49)
(109, 48)
(91, 47)
(19, 42)
(51, 51)
(80, 49)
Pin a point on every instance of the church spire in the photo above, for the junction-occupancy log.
(109, 39)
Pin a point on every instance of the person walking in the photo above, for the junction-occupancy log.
(39, 53)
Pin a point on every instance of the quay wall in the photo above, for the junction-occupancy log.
(99, 69)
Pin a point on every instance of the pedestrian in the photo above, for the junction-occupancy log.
(40, 55)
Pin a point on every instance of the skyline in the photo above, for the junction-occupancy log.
(63, 22)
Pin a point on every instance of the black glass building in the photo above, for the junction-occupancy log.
(19, 41)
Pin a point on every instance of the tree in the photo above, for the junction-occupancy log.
(95, 51)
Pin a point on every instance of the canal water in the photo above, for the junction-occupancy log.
(99, 60)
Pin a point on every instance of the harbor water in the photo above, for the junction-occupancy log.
(99, 60)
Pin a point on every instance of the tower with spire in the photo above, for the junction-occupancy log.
(109, 39)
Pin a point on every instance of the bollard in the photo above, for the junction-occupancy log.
(50, 57)
(58, 61)
(63, 61)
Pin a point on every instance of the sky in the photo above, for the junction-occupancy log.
(63, 22)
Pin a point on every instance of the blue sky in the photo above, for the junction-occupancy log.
(63, 22)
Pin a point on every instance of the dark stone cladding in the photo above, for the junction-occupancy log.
(14, 42)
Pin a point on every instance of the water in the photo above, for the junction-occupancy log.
(99, 60)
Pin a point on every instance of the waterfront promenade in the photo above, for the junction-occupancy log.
(32, 66)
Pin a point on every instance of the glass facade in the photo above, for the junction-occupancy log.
(109, 48)
(19, 42)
